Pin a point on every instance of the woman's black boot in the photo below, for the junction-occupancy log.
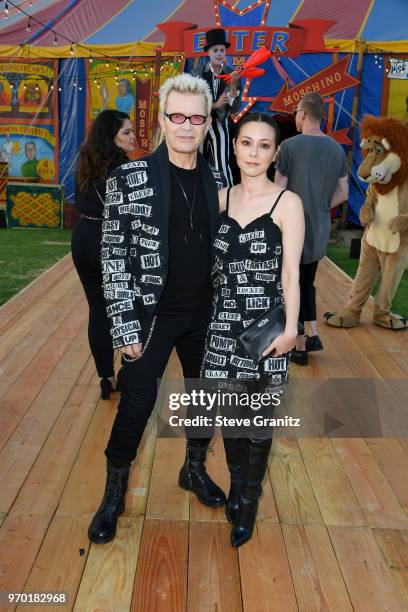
(236, 453)
(193, 476)
(258, 453)
(103, 526)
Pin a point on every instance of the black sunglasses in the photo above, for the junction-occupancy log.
(179, 118)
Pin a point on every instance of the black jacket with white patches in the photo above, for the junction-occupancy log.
(135, 238)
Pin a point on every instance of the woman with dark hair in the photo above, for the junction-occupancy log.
(257, 254)
(110, 139)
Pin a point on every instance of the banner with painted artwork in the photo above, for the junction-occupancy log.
(30, 151)
(27, 90)
(128, 86)
(29, 119)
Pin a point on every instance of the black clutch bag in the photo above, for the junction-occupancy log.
(257, 336)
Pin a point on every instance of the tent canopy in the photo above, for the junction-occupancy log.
(115, 22)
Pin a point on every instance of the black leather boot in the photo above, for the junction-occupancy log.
(193, 476)
(103, 526)
(258, 453)
(236, 453)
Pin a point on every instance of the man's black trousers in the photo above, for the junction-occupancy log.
(186, 333)
(307, 274)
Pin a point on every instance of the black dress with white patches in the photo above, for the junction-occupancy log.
(247, 283)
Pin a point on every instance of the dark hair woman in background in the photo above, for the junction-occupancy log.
(110, 139)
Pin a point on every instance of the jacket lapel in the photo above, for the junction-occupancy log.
(210, 192)
(161, 178)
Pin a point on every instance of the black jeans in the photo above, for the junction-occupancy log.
(86, 253)
(307, 274)
(184, 331)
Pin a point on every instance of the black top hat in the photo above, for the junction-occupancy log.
(215, 37)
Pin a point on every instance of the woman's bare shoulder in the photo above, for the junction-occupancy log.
(291, 199)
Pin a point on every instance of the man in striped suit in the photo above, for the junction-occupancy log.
(226, 101)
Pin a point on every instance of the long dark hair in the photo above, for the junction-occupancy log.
(259, 118)
(99, 151)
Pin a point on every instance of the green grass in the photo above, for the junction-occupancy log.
(26, 253)
(339, 253)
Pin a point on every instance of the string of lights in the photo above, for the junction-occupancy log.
(144, 70)
(80, 81)
(57, 35)
(93, 53)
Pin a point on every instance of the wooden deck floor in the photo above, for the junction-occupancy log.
(332, 531)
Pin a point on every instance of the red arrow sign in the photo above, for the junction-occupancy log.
(326, 82)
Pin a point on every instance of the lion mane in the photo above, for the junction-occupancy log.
(397, 134)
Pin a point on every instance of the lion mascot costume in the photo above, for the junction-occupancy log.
(384, 215)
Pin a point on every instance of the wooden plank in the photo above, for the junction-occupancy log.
(392, 458)
(267, 509)
(365, 572)
(44, 484)
(20, 539)
(24, 390)
(166, 499)
(387, 350)
(84, 489)
(23, 447)
(213, 571)
(344, 340)
(161, 576)
(107, 582)
(139, 481)
(385, 337)
(316, 575)
(41, 311)
(376, 497)
(15, 306)
(335, 496)
(266, 582)
(294, 494)
(60, 561)
(24, 353)
(393, 544)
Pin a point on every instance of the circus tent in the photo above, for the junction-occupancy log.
(72, 32)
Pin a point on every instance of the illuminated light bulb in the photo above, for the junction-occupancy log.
(55, 40)
(60, 88)
(71, 50)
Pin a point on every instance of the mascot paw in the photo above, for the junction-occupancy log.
(394, 322)
(341, 320)
(366, 216)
